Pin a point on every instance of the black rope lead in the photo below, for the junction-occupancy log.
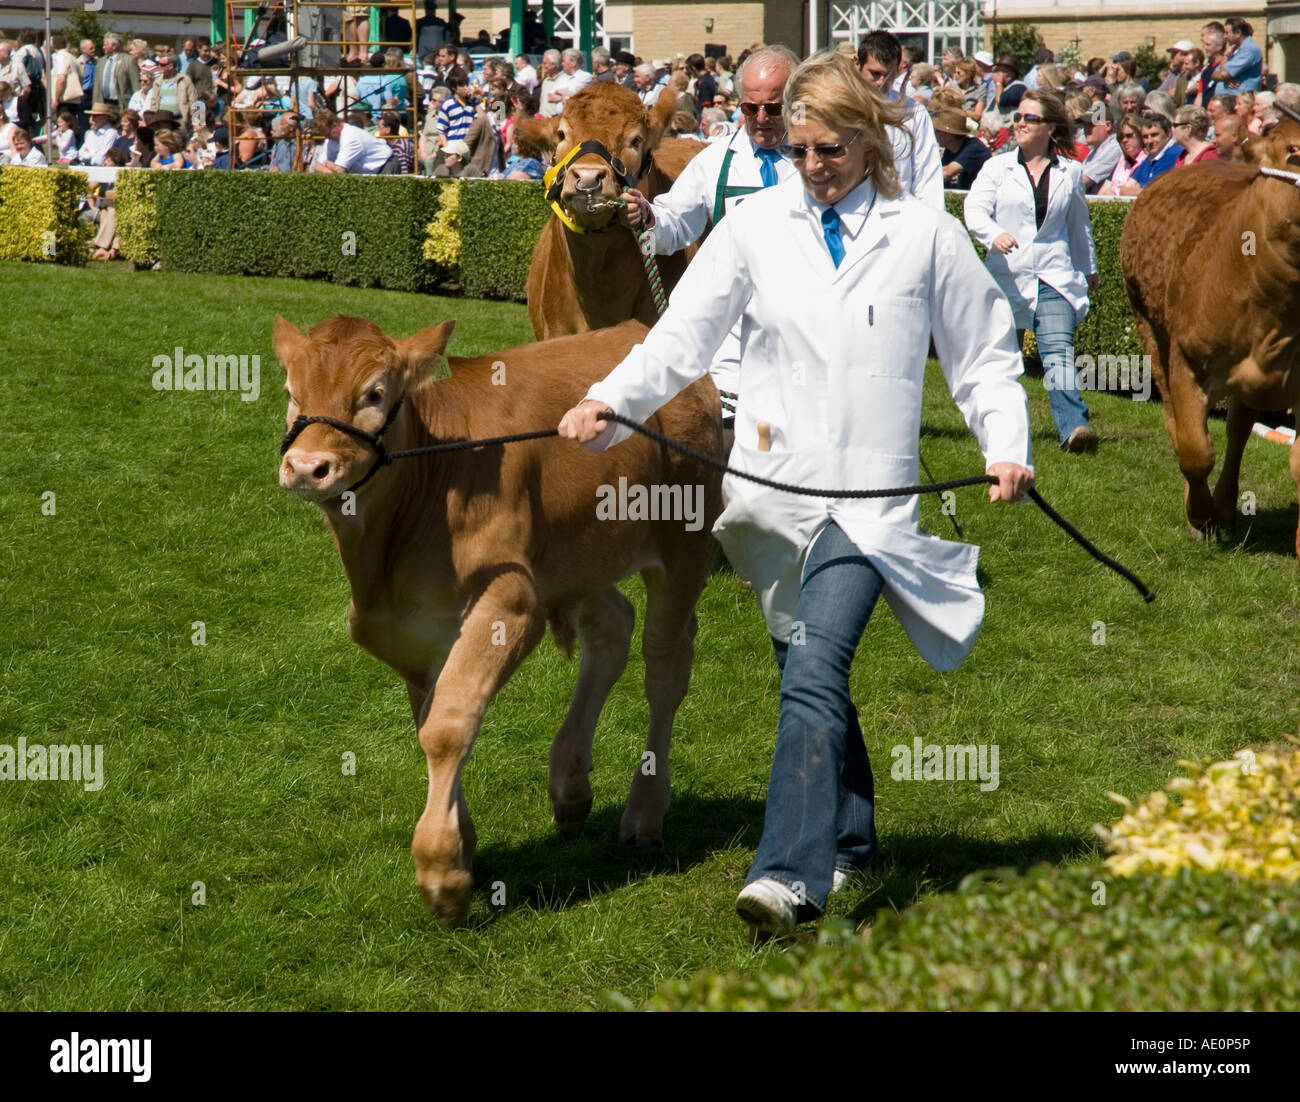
(383, 458)
(900, 491)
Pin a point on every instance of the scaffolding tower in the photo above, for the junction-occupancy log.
(314, 33)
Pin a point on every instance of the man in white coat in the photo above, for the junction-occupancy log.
(916, 149)
(837, 280)
(713, 182)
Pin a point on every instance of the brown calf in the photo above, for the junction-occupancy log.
(597, 278)
(457, 560)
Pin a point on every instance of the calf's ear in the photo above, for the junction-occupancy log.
(539, 132)
(286, 339)
(424, 352)
(660, 115)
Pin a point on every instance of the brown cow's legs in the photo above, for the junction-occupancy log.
(501, 628)
(668, 645)
(1192, 442)
(1240, 419)
(604, 623)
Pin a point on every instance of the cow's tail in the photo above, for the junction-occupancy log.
(564, 629)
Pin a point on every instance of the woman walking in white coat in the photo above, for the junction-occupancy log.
(1029, 212)
(837, 282)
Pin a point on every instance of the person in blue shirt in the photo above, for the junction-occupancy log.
(1243, 68)
(1162, 153)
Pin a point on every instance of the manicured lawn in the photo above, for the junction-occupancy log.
(223, 761)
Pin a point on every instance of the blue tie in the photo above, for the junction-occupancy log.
(767, 165)
(831, 231)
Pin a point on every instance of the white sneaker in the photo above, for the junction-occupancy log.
(769, 907)
(843, 878)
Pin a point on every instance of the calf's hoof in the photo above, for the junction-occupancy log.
(448, 899)
(569, 817)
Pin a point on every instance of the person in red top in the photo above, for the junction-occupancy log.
(1191, 128)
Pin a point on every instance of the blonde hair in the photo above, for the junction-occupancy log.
(829, 88)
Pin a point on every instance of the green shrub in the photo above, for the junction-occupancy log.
(368, 232)
(137, 216)
(1045, 940)
(40, 214)
(1109, 329)
(500, 223)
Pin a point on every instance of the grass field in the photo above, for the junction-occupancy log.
(223, 761)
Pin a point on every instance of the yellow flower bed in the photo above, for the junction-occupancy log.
(1241, 816)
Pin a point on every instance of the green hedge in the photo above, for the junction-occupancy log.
(294, 225)
(500, 222)
(38, 210)
(1045, 940)
(362, 231)
(137, 216)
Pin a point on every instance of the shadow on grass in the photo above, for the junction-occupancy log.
(914, 864)
(1269, 532)
(556, 873)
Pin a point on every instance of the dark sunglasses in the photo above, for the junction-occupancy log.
(749, 110)
(824, 152)
(1018, 117)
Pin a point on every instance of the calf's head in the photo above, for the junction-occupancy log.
(1279, 148)
(351, 370)
(612, 115)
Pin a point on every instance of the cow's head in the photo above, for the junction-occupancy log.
(351, 370)
(1279, 148)
(608, 113)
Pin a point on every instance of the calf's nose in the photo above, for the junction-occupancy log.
(589, 179)
(306, 470)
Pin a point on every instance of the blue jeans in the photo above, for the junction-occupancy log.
(1054, 330)
(820, 812)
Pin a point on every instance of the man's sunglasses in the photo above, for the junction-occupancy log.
(1018, 117)
(749, 110)
(824, 152)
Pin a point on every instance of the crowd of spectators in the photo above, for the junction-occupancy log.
(451, 113)
(1206, 102)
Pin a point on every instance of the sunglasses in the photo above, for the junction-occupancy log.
(749, 110)
(824, 152)
(1018, 117)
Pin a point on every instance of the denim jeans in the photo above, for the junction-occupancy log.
(1054, 330)
(820, 812)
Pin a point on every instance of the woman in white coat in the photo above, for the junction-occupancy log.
(1029, 212)
(837, 282)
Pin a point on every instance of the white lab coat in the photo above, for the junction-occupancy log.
(833, 360)
(1061, 254)
(918, 160)
(682, 215)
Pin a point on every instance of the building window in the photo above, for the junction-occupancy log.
(931, 25)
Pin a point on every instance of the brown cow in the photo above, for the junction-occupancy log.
(597, 278)
(457, 560)
(1279, 148)
(1229, 328)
